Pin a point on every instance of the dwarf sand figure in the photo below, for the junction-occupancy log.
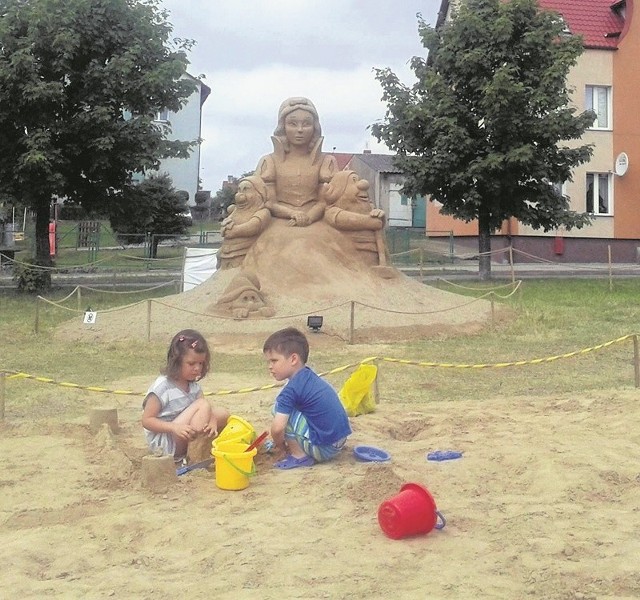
(349, 209)
(247, 219)
(243, 299)
(295, 170)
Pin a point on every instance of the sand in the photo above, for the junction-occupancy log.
(543, 504)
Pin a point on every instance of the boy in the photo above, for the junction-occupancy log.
(309, 423)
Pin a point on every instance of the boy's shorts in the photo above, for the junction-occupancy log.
(298, 429)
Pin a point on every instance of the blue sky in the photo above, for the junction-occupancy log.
(255, 53)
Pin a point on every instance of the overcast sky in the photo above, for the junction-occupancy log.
(256, 53)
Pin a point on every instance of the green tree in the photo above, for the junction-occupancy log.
(485, 129)
(152, 207)
(226, 195)
(80, 84)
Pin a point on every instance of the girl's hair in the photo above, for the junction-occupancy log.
(287, 342)
(181, 342)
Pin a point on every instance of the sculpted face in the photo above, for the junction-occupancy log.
(246, 194)
(357, 189)
(249, 299)
(299, 127)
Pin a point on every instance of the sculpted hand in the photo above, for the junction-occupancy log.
(377, 213)
(300, 219)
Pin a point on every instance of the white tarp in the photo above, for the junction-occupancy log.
(199, 265)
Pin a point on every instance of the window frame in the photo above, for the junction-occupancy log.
(591, 102)
(596, 178)
(162, 116)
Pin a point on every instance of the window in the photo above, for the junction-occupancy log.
(163, 115)
(598, 99)
(599, 194)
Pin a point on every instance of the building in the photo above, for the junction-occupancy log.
(186, 125)
(606, 80)
(385, 182)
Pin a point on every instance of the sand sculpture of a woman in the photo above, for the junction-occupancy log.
(296, 169)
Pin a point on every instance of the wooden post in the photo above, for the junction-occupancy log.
(79, 290)
(2, 392)
(148, 320)
(513, 273)
(636, 361)
(421, 261)
(353, 317)
(493, 311)
(36, 326)
(610, 271)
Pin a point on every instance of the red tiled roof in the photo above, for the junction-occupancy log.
(342, 159)
(595, 20)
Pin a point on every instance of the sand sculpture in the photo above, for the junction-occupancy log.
(299, 186)
(303, 238)
(247, 218)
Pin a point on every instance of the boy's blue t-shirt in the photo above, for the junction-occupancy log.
(319, 403)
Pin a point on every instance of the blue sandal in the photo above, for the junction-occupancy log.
(291, 462)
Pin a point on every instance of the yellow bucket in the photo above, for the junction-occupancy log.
(236, 430)
(234, 465)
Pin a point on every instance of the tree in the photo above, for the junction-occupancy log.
(484, 130)
(80, 84)
(226, 195)
(152, 207)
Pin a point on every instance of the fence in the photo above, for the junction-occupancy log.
(377, 360)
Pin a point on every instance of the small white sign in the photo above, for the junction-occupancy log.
(90, 317)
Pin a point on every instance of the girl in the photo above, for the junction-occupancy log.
(175, 410)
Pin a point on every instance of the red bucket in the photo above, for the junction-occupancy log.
(411, 512)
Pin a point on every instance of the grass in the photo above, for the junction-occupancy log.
(551, 317)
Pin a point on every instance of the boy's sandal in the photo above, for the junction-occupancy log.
(292, 463)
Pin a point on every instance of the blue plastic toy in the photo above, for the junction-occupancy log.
(440, 455)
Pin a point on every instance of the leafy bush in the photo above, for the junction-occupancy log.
(31, 277)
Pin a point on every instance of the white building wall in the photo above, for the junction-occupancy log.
(185, 126)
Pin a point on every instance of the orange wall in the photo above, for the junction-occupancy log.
(626, 127)
(437, 222)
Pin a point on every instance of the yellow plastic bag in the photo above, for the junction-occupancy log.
(356, 394)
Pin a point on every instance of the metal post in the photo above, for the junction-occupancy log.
(451, 248)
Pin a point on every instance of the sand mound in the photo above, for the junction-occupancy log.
(301, 271)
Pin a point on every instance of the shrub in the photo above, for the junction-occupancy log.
(31, 277)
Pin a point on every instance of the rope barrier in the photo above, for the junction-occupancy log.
(9, 374)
